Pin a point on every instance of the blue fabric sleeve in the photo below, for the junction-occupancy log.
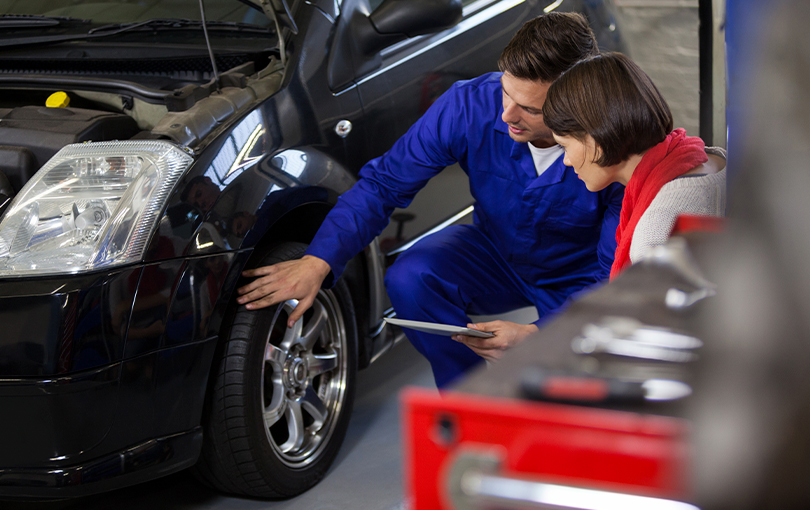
(391, 181)
(606, 249)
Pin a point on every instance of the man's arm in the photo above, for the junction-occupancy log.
(388, 182)
(361, 213)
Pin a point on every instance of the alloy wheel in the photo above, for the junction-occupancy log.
(304, 379)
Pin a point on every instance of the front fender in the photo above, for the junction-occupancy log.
(297, 178)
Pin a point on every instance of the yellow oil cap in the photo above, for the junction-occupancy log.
(57, 100)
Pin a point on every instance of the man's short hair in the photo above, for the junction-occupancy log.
(548, 45)
(610, 98)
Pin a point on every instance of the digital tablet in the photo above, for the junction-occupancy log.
(439, 329)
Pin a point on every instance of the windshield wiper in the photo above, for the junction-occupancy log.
(150, 24)
(173, 23)
(34, 21)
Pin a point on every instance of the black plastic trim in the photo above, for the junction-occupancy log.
(706, 68)
(145, 461)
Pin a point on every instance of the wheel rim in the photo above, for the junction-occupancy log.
(304, 380)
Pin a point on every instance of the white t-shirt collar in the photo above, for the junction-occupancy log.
(543, 158)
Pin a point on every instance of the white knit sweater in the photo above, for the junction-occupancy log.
(699, 195)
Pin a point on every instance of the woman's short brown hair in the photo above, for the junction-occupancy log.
(610, 98)
(547, 45)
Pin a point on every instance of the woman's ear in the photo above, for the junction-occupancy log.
(597, 154)
(594, 148)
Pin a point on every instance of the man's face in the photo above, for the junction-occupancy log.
(523, 110)
(203, 194)
(241, 223)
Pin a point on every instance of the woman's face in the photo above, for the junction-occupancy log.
(581, 156)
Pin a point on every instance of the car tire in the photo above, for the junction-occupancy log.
(280, 398)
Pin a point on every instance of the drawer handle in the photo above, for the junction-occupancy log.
(474, 484)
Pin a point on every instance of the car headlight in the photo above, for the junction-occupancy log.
(92, 205)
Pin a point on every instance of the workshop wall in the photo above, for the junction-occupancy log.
(662, 37)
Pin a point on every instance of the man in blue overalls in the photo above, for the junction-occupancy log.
(538, 235)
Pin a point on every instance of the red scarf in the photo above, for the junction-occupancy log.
(673, 157)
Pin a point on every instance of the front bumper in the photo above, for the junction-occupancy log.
(151, 459)
(103, 377)
(103, 429)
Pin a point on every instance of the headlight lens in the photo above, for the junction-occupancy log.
(92, 205)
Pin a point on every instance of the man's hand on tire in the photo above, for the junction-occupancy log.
(294, 279)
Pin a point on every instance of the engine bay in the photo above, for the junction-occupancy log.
(107, 109)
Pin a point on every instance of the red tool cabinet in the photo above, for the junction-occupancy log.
(565, 445)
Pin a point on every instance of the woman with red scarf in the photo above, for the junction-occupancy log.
(615, 126)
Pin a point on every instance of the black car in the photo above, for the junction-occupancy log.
(145, 180)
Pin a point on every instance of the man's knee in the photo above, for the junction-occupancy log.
(409, 274)
(432, 271)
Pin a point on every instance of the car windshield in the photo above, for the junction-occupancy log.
(129, 11)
